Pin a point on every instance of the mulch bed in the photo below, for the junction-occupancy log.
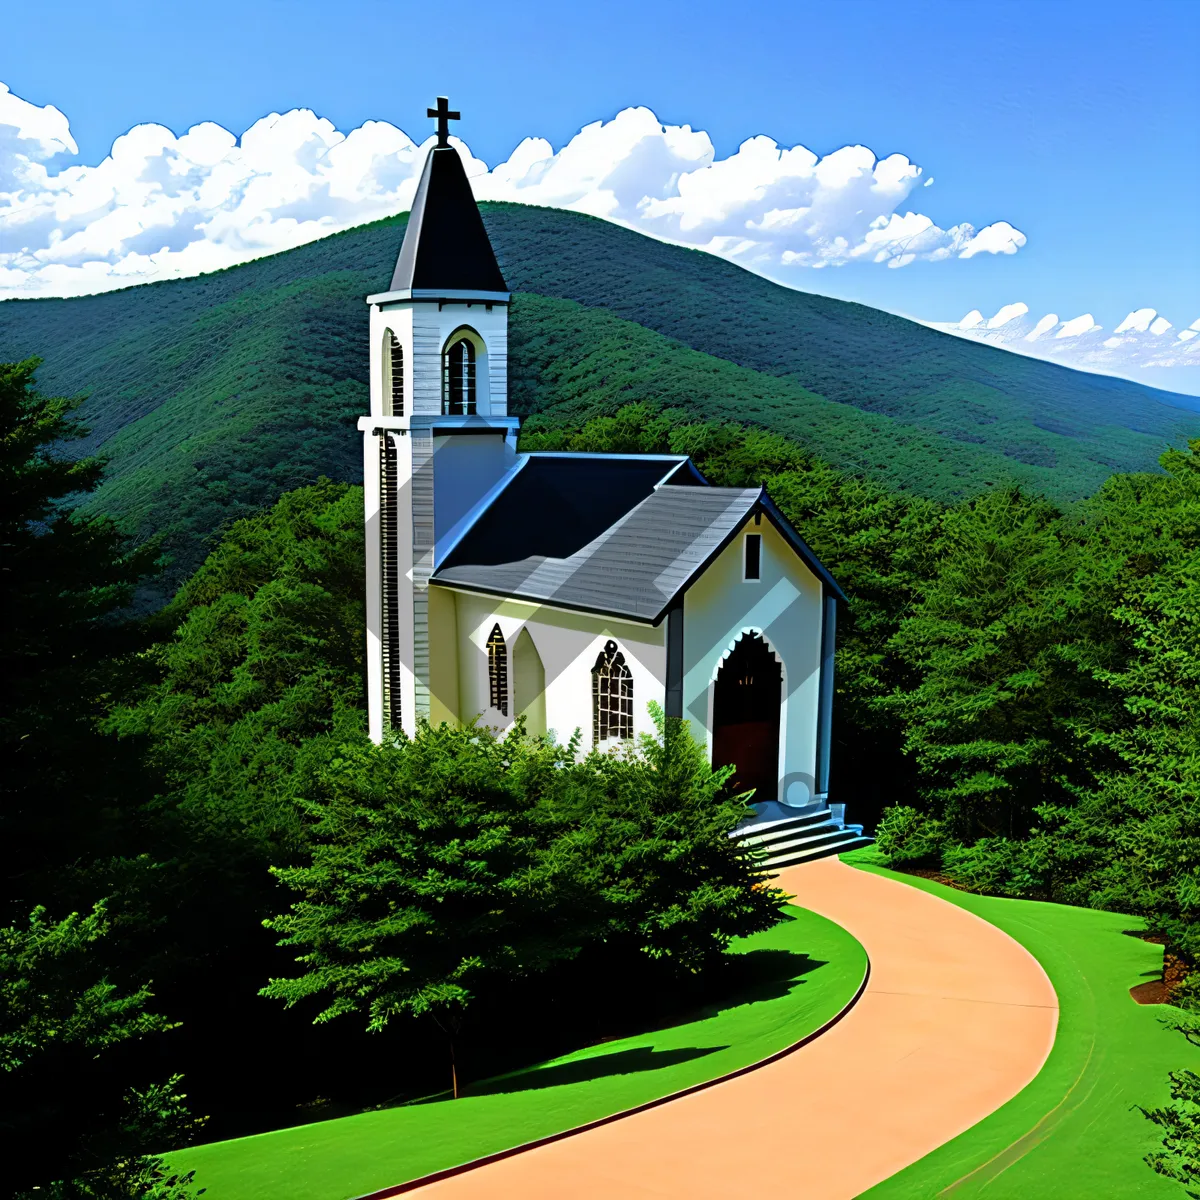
(936, 876)
(1175, 971)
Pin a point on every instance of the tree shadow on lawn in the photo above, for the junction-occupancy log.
(767, 975)
(617, 1005)
(753, 977)
(748, 978)
(585, 1070)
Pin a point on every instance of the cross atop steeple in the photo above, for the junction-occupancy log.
(444, 117)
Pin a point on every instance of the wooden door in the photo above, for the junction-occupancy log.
(747, 700)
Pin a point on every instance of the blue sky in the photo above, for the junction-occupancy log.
(1075, 122)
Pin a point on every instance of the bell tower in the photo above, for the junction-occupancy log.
(438, 438)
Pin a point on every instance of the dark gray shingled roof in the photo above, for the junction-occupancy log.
(636, 567)
(619, 534)
(445, 245)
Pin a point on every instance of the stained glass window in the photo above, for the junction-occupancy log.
(497, 653)
(612, 696)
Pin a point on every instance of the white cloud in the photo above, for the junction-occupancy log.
(1137, 343)
(1138, 320)
(160, 205)
(29, 133)
(1076, 326)
(1000, 238)
(1008, 312)
(1047, 323)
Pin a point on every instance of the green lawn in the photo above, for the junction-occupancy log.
(799, 975)
(1073, 1132)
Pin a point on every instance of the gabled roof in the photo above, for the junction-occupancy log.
(445, 245)
(612, 534)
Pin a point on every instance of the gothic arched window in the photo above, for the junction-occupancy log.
(458, 378)
(612, 696)
(497, 653)
(393, 378)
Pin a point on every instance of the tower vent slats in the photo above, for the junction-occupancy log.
(390, 579)
(395, 398)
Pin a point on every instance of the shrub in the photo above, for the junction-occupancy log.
(442, 866)
(908, 836)
(996, 866)
(671, 880)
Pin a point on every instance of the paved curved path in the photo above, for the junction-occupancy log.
(956, 1019)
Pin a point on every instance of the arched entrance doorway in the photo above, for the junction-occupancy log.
(746, 707)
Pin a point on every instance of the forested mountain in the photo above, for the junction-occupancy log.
(212, 395)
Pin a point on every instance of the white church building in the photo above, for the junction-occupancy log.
(571, 590)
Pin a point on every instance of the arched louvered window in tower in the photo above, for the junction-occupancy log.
(612, 696)
(458, 378)
(389, 573)
(393, 390)
(497, 653)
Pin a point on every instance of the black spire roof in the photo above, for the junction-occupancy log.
(446, 247)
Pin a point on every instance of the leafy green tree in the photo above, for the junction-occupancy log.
(56, 1019)
(655, 825)
(131, 1169)
(68, 646)
(985, 722)
(1131, 840)
(263, 661)
(444, 865)
(1179, 1121)
(48, 997)
(255, 683)
(1179, 1158)
(71, 1004)
(907, 835)
(435, 869)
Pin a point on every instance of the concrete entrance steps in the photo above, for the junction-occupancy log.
(812, 833)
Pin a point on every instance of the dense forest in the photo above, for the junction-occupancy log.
(1018, 684)
(201, 841)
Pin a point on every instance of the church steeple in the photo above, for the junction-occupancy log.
(446, 248)
(438, 436)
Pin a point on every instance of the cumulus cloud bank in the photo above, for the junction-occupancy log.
(1144, 339)
(161, 206)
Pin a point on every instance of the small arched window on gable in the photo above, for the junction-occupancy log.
(497, 653)
(612, 696)
(458, 377)
(393, 376)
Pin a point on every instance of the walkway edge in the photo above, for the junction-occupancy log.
(449, 1172)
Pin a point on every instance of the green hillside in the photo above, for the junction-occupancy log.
(213, 395)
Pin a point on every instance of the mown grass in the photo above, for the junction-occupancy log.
(1074, 1132)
